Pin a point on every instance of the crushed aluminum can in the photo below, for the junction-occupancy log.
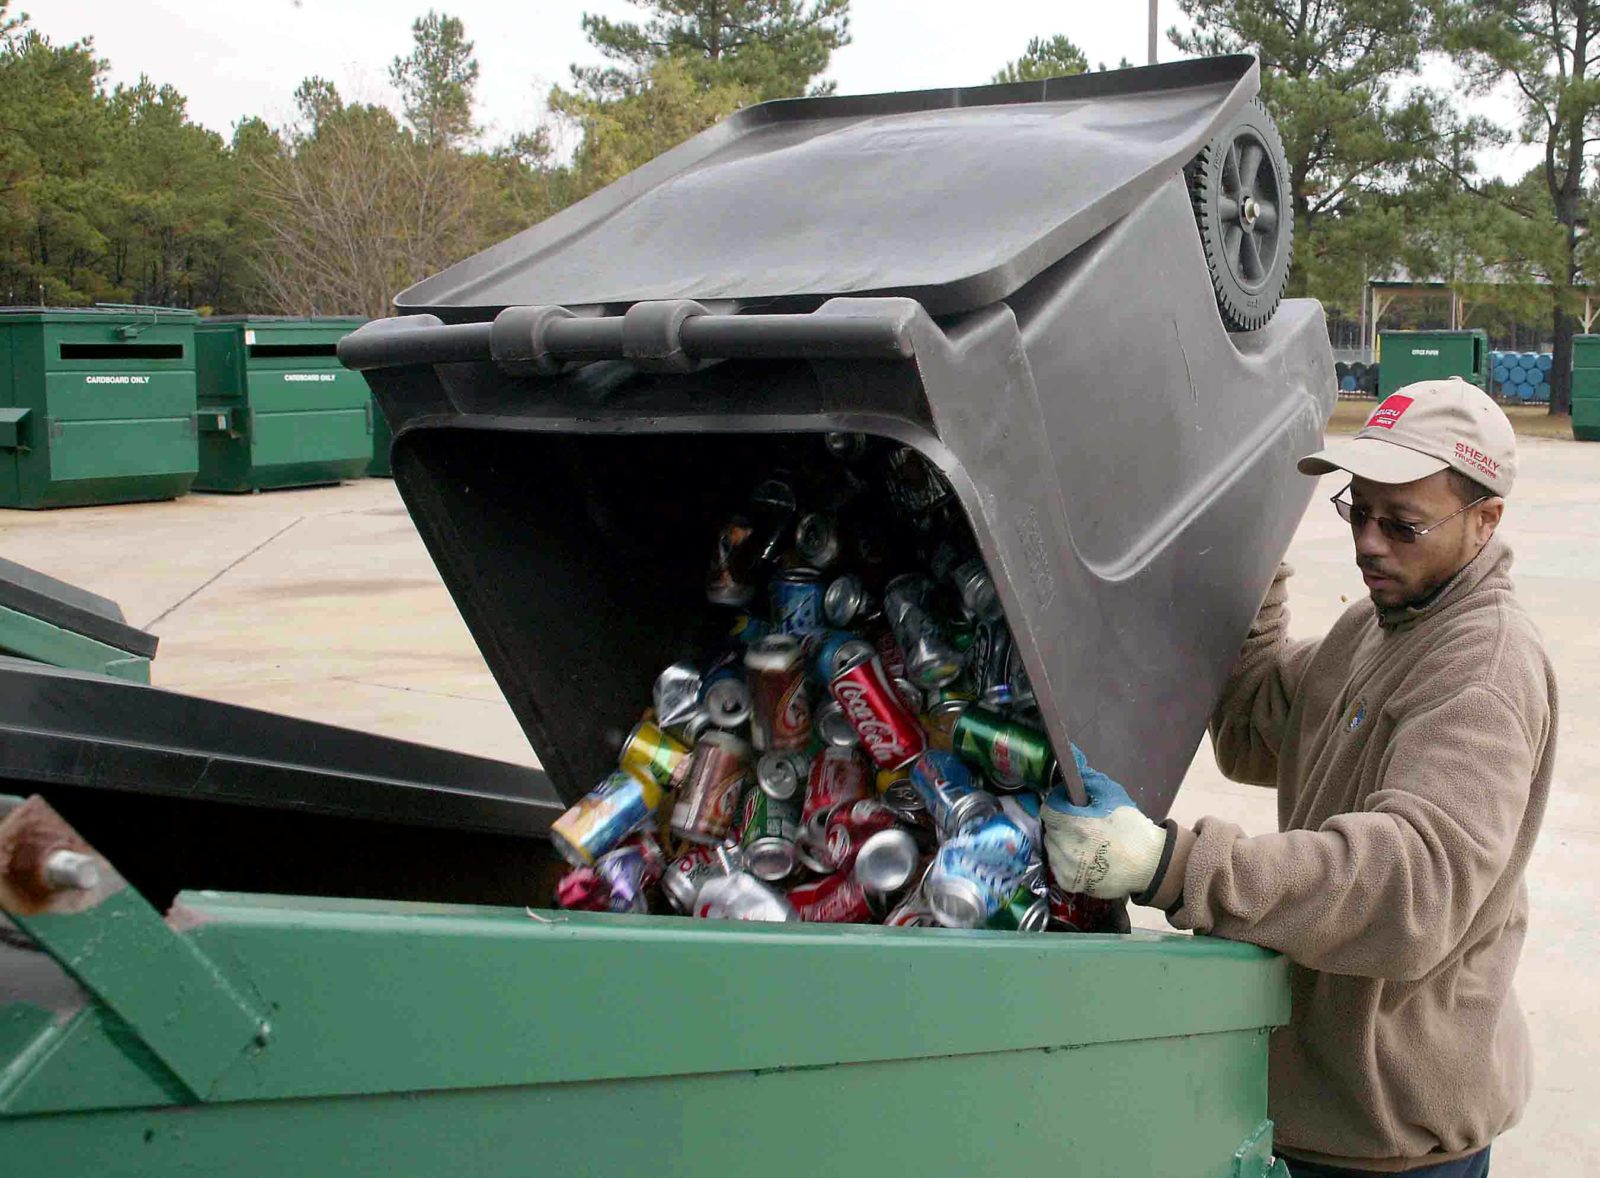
(631, 870)
(886, 861)
(834, 899)
(677, 694)
(683, 877)
(741, 896)
(834, 728)
(977, 871)
(930, 659)
(709, 800)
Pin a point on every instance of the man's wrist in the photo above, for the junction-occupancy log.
(1165, 889)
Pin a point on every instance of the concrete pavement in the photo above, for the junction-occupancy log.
(324, 604)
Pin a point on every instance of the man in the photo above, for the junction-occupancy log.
(1411, 749)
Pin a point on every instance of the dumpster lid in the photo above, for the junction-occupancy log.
(71, 608)
(953, 197)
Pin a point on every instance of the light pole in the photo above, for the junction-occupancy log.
(1153, 5)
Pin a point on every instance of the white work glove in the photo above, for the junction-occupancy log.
(1107, 849)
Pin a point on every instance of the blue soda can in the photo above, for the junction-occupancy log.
(950, 792)
(748, 629)
(977, 872)
(825, 653)
(797, 603)
(604, 816)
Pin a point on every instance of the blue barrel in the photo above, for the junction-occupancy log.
(1544, 361)
(1530, 359)
(1516, 374)
(1541, 392)
(1348, 383)
(1525, 392)
(1501, 373)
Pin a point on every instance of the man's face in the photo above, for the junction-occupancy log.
(1398, 573)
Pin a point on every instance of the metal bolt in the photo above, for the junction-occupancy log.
(263, 1034)
(1249, 211)
(71, 871)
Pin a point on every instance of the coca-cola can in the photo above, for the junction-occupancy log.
(838, 777)
(1077, 912)
(849, 827)
(706, 807)
(782, 775)
(846, 602)
(888, 732)
(833, 727)
(835, 899)
(780, 708)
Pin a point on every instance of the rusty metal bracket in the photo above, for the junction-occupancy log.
(73, 904)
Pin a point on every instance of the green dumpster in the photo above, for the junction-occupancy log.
(97, 405)
(1586, 388)
(49, 621)
(1409, 356)
(382, 439)
(276, 408)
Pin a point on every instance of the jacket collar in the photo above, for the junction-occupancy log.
(1495, 557)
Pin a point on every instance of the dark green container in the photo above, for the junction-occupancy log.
(97, 405)
(1405, 357)
(276, 407)
(1586, 388)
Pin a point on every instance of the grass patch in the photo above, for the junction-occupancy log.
(1529, 421)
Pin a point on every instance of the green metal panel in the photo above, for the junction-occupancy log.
(1409, 356)
(1586, 418)
(297, 416)
(112, 400)
(31, 638)
(1586, 351)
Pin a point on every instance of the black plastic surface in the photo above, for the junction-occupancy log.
(70, 608)
(953, 197)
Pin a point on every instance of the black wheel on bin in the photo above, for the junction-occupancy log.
(1240, 189)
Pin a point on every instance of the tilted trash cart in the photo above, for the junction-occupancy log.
(574, 411)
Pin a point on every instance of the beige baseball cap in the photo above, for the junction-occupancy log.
(1425, 428)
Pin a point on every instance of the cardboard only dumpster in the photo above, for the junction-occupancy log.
(276, 407)
(577, 413)
(1410, 356)
(97, 405)
(1586, 388)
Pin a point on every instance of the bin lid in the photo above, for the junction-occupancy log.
(954, 197)
(71, 608)
(285, 320)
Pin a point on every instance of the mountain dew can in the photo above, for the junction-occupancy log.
(1013, 755)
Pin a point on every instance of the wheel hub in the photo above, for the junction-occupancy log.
(1248, 211)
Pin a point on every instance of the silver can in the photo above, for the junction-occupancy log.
(741, 896)
(833, 726)
(930, 659)
(816, 539)
(978, 596)
(782, 775)
(676, 694)
(886, 862)
(684, 875)
(727, 702)
(846, 602)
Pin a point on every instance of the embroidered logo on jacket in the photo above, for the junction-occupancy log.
(1356, 717)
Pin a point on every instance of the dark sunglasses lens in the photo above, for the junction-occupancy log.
(1398, 532)
(1347, 511)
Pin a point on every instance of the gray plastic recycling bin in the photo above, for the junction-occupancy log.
(578, 408)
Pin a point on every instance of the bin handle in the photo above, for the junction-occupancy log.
(540, 340)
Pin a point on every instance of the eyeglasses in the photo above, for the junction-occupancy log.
(1393, 529)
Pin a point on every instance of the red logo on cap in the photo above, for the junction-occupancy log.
(1389, 412)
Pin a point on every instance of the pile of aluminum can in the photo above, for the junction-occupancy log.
(860, 746)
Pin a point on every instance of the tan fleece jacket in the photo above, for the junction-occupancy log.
(1412, 753)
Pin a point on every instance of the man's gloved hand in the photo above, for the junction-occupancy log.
(1107, 849)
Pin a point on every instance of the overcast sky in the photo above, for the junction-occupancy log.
(232, 58)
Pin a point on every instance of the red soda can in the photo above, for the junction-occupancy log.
(835, 899)
(888, 648)
(838, 777)
(583, 889)
(889, 733)
(850, 826)
(780, 710)
(1078, 912)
